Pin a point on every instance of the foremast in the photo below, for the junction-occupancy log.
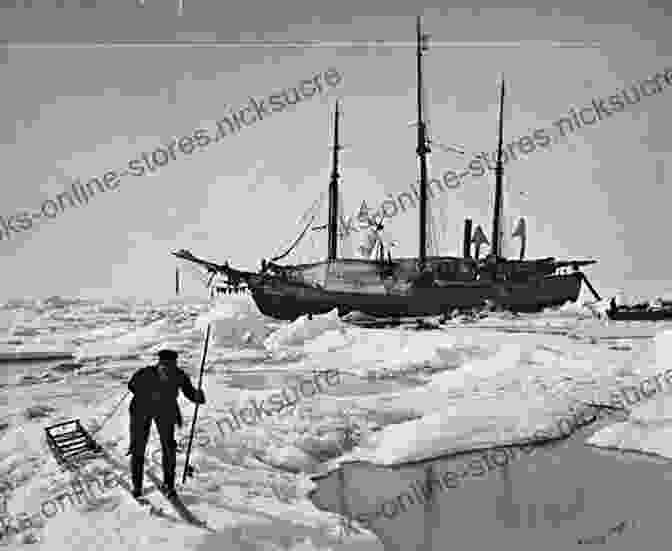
(499, 174)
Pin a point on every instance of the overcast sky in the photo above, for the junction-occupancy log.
(77, 111)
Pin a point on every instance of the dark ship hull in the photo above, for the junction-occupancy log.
(398, 289)
(287, 301)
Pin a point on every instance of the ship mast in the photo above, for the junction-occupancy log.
(499, 173)
(422, 151)
(333, 194)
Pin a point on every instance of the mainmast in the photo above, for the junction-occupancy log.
(333, 194)
(499, 173)
(422, 151)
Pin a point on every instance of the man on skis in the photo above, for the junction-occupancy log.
(155, 389)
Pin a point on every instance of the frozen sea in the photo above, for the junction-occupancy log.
(404, 396)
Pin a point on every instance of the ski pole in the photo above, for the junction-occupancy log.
(193, 422)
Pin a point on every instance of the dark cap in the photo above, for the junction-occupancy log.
(167, 354)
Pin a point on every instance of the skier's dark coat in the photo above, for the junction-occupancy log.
(154, 396)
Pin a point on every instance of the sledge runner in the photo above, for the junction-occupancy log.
(155, 389)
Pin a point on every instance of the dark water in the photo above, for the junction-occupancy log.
(565, 495)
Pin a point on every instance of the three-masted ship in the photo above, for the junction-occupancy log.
(406, 287)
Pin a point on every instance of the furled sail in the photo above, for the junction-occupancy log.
(479, 239)
(367, 247)
(345, 235)
(374, 238)
(513, 225)
(369, 237)
(520, 231)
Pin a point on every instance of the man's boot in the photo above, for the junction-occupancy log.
(169, 464)
(137, 465)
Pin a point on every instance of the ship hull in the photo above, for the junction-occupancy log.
(287, 300)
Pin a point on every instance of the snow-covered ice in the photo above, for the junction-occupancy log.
(403, 395)
(649, 425)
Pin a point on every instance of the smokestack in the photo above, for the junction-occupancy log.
(467, 238)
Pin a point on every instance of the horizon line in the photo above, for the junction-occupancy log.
(301, 43)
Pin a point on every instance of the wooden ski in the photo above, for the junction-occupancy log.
(182, 511)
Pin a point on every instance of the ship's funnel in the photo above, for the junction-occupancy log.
(466, 248)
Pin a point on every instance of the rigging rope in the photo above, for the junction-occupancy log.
(314, 208)
(435, 230)
(298, 240)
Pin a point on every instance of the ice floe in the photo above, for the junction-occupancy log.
(302, 330)
(235, 321)
(648, 428)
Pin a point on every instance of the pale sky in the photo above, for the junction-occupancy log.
(79, 110)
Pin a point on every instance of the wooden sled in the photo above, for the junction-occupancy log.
(71, 444)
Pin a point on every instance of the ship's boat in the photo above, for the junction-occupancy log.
(640, 312)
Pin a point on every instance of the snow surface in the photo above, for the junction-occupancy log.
(403, 395)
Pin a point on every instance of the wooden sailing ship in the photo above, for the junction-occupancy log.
(401, 287)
